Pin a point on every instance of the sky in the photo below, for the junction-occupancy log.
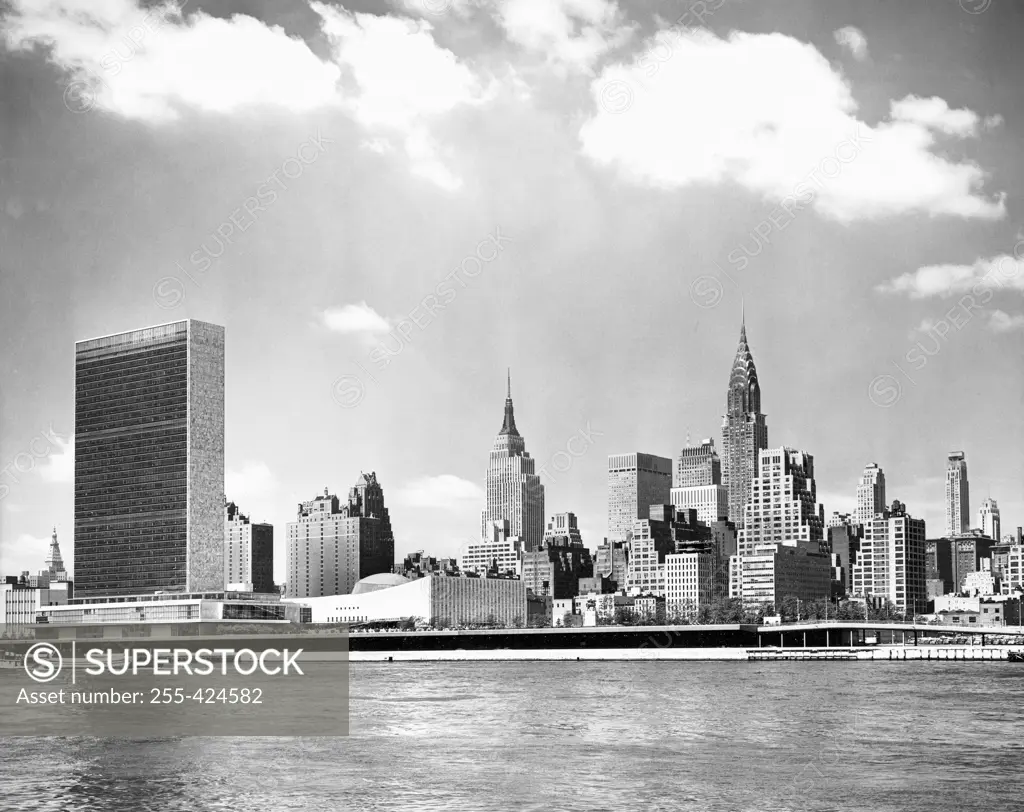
(389, 204)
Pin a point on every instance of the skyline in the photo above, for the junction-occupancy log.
(611, 288)
(509, 430)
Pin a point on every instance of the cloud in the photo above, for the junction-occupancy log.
(154, 65)
(935, 114)
(1000, 322)
(400, 79)
(572, 34)
(59, 465)
(748, 121)
(1003, 272)
(359, 320)
(446, 492)
(147, 64)
(25, 552)
(853, 39)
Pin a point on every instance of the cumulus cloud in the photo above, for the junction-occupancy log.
(359, 320)
(1002, 272)
(155, 64)
(147, 64)
(59, 465)
(447, 492)
(572, 34)
(750, 121)
(1002, 322)
(401, 79)
(853, 39)
(935, 114)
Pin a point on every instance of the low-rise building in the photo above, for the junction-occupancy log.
(174, 608)
(437, 600)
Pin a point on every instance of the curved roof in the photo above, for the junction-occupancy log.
(382, 580)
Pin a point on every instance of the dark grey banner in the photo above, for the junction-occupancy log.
(291, 683)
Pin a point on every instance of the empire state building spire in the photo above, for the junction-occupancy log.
(515, 494)
(744, 432)
(508, 426)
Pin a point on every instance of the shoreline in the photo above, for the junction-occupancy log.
(650, 654)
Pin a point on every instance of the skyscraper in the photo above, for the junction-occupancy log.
(697, 483)
(744, 432)
(783, 508)
(332, 545)
(870, 494)
(248, 551)
(782, 513)
(514, 492)
(891, 560)
(697, 465)
(149, 461)
(635, 482)
(988, 518)
(958, 495)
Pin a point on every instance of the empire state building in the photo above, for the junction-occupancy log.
(514, 492)
(744, 432)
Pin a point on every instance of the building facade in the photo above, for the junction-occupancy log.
(958, 495)
(434, 599)
(554, 571)
(514, 490)
(776, 572)
(611, 561)
(635, 482)
(870, 494)
(689, 582)
(498, 553)
(892, 561)
(332, 545)
(149, 460)
(697, 465)
(744, 431)
(710, 501)
(782, 506)
(564, 528)
(782, 513)
(248, 552)
(988, 519)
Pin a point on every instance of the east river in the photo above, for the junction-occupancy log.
(583, 736)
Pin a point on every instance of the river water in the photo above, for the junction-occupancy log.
(584, 736)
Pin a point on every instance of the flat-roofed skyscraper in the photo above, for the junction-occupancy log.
(635, 482)
(149, 461)
(744, 432)
(958, 495)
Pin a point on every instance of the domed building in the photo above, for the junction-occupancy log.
(383, 580)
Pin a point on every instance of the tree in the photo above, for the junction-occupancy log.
(517, 622)
(625, 616)
(567, 619)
